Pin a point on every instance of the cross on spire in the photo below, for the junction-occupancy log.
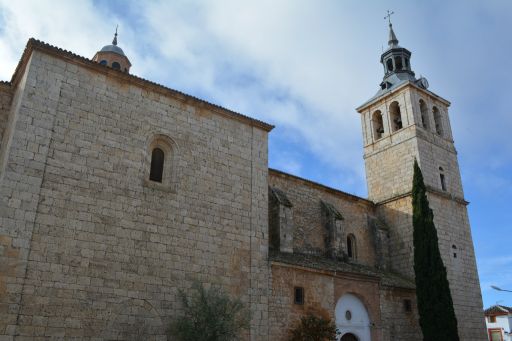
(114, 42)
(388, 16)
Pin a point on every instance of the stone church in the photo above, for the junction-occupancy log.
(117, 192)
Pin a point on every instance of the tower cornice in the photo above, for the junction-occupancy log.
(430, 190)
(388, 93)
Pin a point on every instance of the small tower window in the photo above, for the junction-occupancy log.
(116, 65)
(157, 165)
(378, 125)
(407, 63)
(103, 62)
(424, 114)
(299, 295)
(351, 246)
(438, 121)
(454, 251)
(389, 64)
(407, 305)
(398, 63)
(442, 178)
(396, 116)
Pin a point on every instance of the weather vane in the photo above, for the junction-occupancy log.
(388, 16)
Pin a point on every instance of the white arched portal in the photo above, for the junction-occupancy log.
(352, 318)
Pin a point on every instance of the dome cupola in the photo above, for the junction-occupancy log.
(396, 61)
(113, 56)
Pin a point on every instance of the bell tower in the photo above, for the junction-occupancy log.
(404, 121)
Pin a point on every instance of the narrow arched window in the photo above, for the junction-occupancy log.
(378, 125)
(398, 63)
(424, 114)
(389, 64)
(351, 246)
(438, 121)
(157, 165)
(116, 65)
(396, 116)
(442, 178)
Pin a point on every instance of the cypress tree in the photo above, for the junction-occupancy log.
(435, 305)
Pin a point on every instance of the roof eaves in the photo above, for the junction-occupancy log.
(34, 44)
(324, 187)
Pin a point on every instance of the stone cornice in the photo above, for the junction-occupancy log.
(430, 190)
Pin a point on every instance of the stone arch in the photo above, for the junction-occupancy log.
(167, 148)
(352, 317)
(395, 116)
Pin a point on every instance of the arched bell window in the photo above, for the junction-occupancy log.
(116, 66)
(157, 165)
(424, 114)
(378, 125)
(438, 121)
(396, 116)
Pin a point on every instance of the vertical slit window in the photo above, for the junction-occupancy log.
(299, 295)
(351, 246)
(442, 178)
(157, 165)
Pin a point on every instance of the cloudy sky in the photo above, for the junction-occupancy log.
(304, 66)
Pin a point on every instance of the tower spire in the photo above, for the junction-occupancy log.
(114, 42)
(393, 41)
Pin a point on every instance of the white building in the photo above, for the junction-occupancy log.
(498, 320)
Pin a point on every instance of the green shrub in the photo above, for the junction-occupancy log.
(209, 315)
(313, 328)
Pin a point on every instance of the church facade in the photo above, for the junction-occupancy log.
(116, 193)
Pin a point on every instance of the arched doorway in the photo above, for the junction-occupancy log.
(352, 319)
(348, 337)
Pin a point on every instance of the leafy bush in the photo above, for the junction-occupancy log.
(313, 328)
(209, 315)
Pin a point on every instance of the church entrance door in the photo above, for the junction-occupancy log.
(352, 319)
(348, 337)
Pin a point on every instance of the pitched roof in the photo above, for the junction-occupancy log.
(34, 44)
(498, 310)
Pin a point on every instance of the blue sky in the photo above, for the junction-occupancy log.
(304, 66)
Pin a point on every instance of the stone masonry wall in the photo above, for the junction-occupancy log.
(5, 106)
(456, 246)
(106, 252)
(310, 233)
(398, 324)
